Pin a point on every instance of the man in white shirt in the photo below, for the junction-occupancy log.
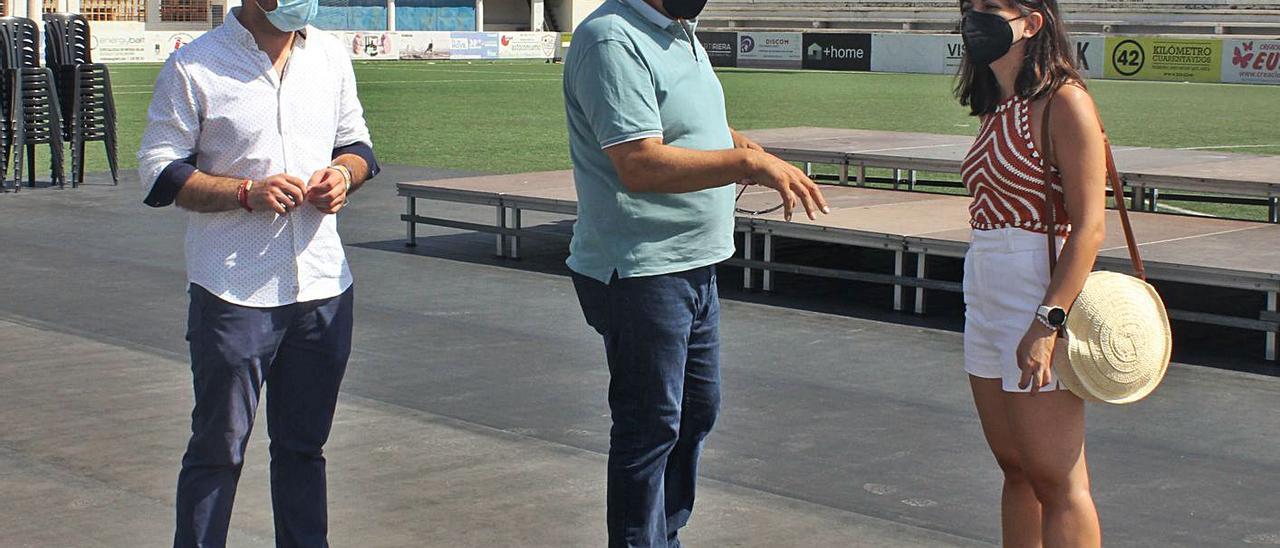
(255, 128)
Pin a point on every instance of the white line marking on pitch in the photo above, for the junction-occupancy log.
(466, 71)
(1229, 146)
(1194, 236)
(905, 148)
(415, 82)
(1183, 211)
(460, 81)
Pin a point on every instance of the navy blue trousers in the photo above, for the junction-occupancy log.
(662, 341)
(300, 352)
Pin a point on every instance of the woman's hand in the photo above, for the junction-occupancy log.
(1035, 356)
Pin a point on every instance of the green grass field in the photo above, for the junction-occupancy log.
(508, 117)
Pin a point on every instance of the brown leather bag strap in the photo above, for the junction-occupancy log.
(1050, 202)
(1117, 188)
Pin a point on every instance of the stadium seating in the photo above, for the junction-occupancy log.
(1210, 17)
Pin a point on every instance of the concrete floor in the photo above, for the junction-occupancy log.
(474, 414)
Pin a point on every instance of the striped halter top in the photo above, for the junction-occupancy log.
(1005, 174)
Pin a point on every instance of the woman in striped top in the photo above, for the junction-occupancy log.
(1018, 56)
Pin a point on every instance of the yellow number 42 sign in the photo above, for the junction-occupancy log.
(1169, 59)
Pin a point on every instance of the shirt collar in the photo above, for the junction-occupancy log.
(649, 13)
(242, 36)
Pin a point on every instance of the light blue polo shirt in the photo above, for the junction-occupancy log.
(633, 73)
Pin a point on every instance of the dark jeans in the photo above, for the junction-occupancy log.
(300, 351)
(662, 340)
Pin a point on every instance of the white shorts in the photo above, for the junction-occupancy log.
(1006, 274)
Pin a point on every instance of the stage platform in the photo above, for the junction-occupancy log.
(913, 226)
(1147, 171)
(474, 411)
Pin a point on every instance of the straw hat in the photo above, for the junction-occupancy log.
(1118, 340)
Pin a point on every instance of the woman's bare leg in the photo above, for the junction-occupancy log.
(1048, 429)
(1019, 508)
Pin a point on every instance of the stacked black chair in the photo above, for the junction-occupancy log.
(9, 58)
(58, 28)
(34, 112)
(6, 121)
(88, 107)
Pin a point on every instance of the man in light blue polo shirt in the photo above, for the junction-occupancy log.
(654, 163)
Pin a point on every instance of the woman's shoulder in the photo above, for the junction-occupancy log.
(1072, 100)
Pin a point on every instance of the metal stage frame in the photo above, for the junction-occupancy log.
(1235, 178)
(912, 226)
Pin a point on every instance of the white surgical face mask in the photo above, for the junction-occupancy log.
(292, 15)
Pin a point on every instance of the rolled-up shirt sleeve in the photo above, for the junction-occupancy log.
(615, 90)
(166, 158)
(353, 133)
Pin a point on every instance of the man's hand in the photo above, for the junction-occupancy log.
(279, 193)
(742, 141)
(327, 190)
(790, 182)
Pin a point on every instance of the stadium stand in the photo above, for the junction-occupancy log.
(1241, 17)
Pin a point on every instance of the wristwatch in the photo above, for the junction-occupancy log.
(1053, 317)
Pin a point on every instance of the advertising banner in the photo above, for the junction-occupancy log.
(1246, 61)
(919, 53)
(138, 46)
(120, 47)
(941, 54)
(474, 45)
(527, 45)
(769, 49)
(110, 46)
(369, 45)
(837, 51)
(160, 44)
(423, 45)
(1169, 59)
(1251, 61)
(1089, 55)
(722, 48)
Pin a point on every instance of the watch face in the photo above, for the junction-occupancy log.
(1057, 317)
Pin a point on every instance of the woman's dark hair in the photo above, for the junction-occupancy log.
(1049, 63)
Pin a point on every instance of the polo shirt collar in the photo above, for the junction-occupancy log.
(650, 13)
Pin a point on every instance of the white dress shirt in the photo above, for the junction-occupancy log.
(219, 99)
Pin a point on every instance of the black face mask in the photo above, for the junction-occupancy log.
(684, 9)
(987, 36)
